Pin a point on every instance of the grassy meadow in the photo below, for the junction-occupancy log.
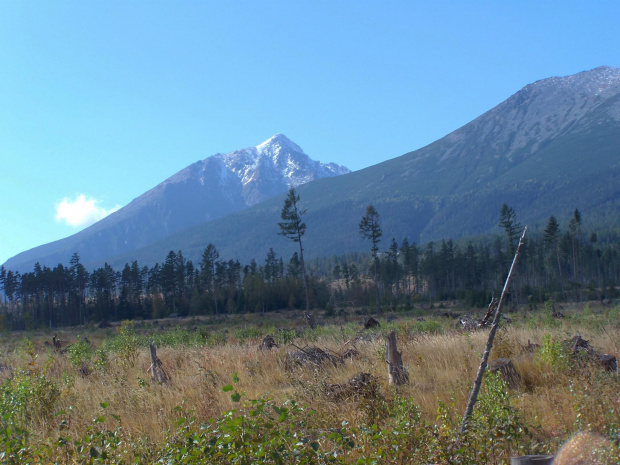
(93, 400)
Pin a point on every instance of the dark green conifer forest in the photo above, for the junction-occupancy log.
(561, 262)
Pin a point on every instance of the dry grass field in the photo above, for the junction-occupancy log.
(228, 402)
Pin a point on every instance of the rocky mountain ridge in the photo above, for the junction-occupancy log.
(550, 148)
(206, 190)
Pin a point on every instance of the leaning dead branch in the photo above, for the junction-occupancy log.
(487, 350)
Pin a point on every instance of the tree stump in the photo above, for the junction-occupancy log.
(608, 362)
(268, 343)
(371, 323)
(507, 369)
(397, 373)
(309, 317)
(158, 373)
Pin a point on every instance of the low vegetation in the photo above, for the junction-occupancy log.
(88, 396)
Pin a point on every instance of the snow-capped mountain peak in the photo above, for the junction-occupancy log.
(278, 143)
(273, 166)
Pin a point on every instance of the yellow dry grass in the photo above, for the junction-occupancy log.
(442, 367)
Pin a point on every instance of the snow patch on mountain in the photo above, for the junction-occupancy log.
(275, 165)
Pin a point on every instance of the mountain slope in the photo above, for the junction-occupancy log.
(550, 148)
(204, 191)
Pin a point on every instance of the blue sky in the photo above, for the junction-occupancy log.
(102, 100)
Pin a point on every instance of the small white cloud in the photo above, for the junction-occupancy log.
(81, 211)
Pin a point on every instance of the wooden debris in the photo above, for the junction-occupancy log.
(84, 370)
(608, 362)
(397, 373)
(158, 373)
(531, 347)
(578, 343)
(532, 460)
(468, 323)
(317, 357)
(507, 369)
(490, 312)
(452, 315)
(309, 317)
(268, 343)
(371, 323)
(350, 354)
(309, 356)
(361, 385)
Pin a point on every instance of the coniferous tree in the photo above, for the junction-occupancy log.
(207, 271)
(508, 221)
(370, 228)
(294, 267)
(3, 287)
(293, 228)
(551, 240)
(574, 227)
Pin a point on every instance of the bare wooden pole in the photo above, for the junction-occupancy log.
(487, 350)
(397, 374)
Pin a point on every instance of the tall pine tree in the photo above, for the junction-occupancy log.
(293, 228)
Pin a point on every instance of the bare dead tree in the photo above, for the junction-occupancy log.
(487, 350)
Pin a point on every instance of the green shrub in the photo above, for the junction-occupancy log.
(552, 354)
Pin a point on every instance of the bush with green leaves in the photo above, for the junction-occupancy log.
(80, 353)
(258, 431)
(552, 354)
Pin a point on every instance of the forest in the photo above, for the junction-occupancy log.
(558, 263)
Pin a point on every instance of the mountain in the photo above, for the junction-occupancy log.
(550, 148)
(204, 191)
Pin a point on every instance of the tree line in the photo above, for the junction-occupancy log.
(558, 263)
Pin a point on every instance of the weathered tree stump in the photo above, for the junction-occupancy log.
(608, 362)
(309, 317)
(507, 369)
(268, 343)
(397, 373)
(158, 373)
(371, 323)
(57, 343)
(577, 343)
